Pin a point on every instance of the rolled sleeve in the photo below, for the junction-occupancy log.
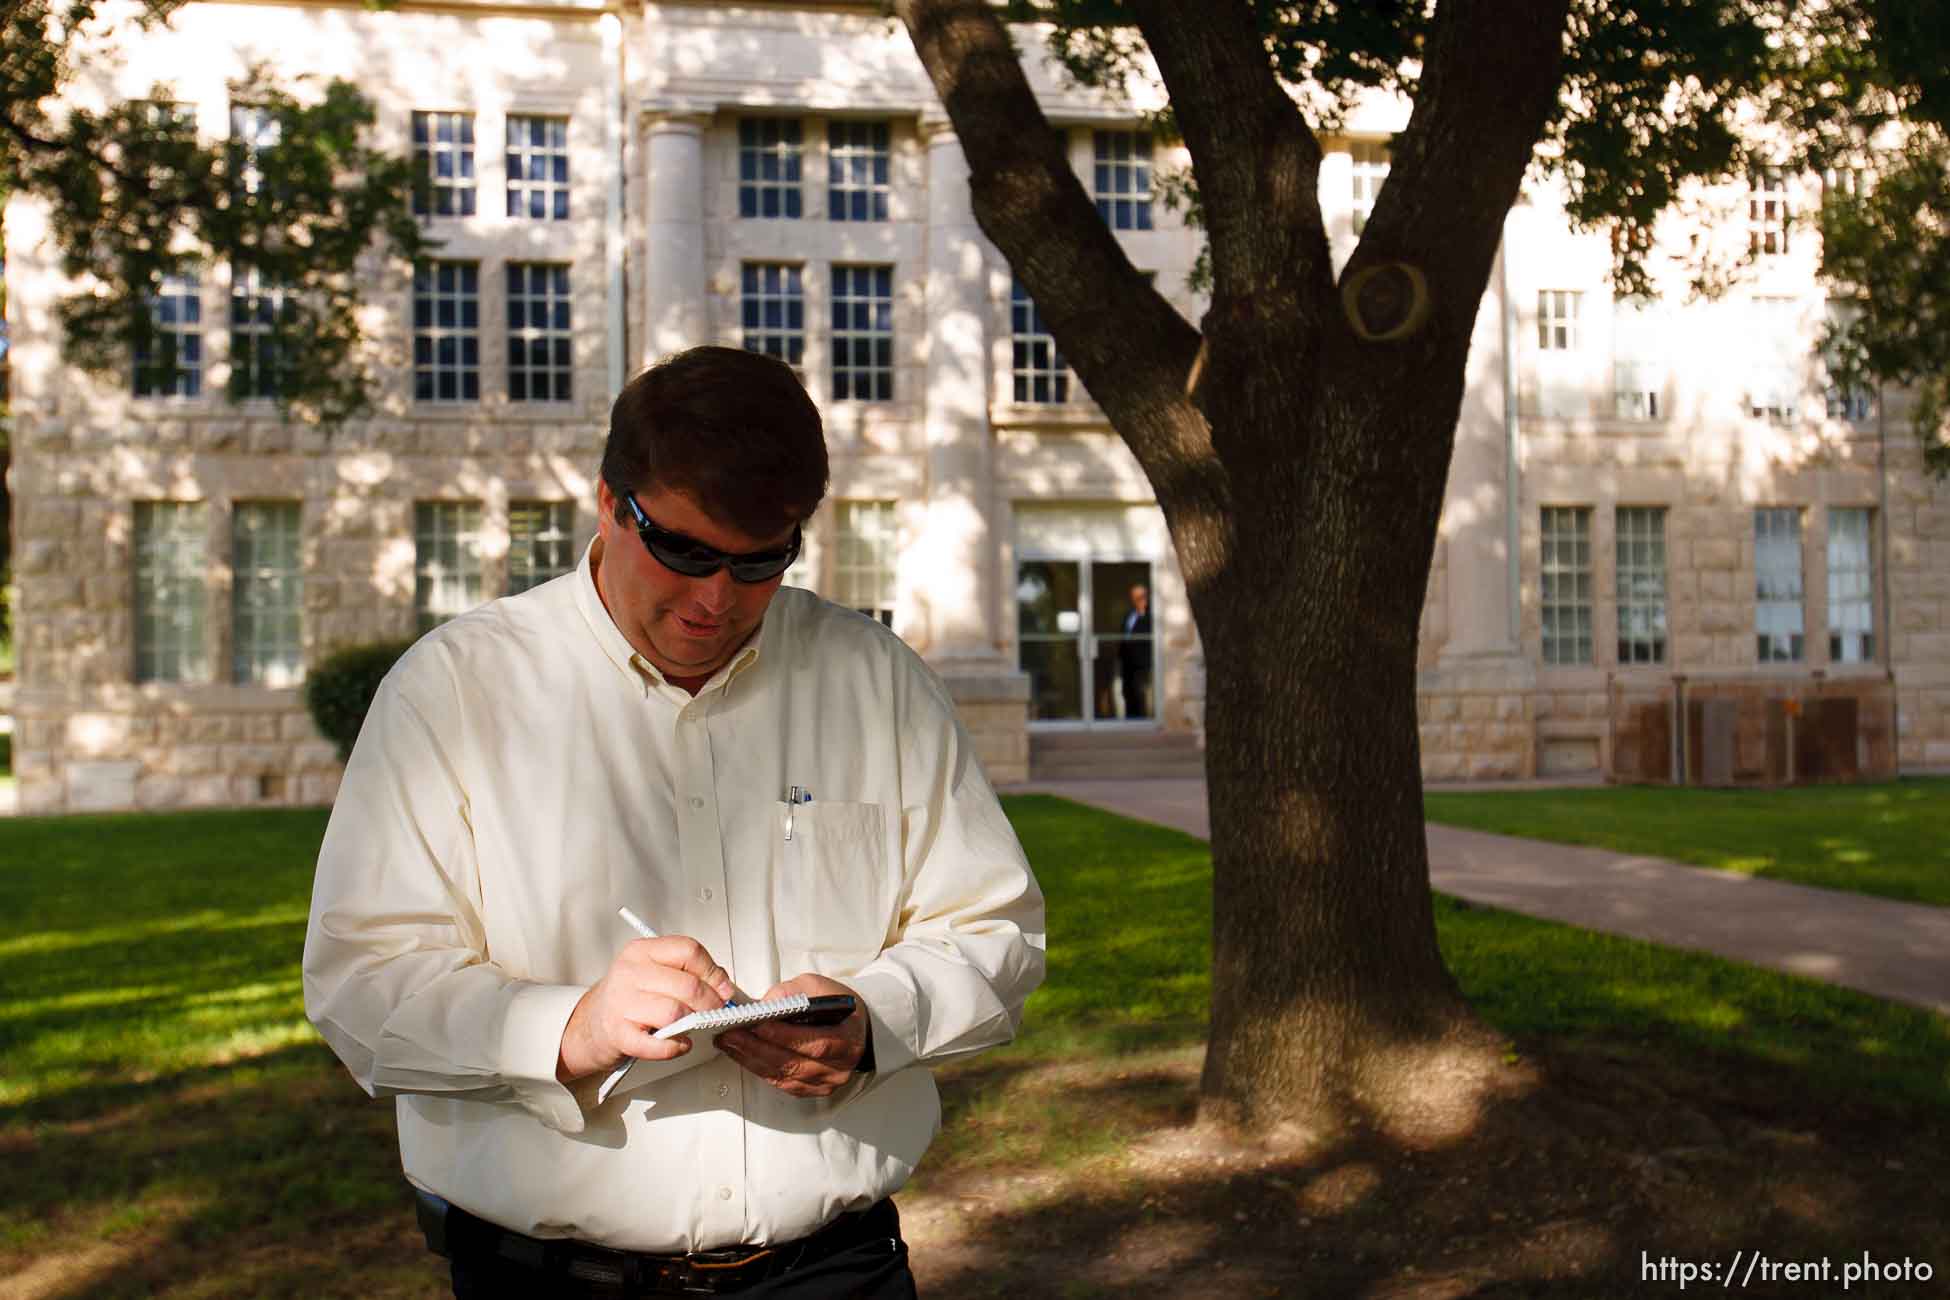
(971, 943)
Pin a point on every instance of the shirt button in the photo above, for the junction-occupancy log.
(697, 801)
(724, 1193)
(706, 895)
(724, 1090)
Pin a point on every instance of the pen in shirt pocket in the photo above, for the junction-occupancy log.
(794, 796)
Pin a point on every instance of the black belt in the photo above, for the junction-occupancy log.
(453, 1232)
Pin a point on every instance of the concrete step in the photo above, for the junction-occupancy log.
(1051, 741)
(1066, 755)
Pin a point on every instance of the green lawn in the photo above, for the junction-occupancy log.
(1891, 840)
(170, 1122)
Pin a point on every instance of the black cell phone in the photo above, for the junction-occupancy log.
(825, 1010)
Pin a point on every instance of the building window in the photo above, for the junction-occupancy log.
(446, 561)
(538, 168)
(1775, 391)
(859, 160)
(769, 157)
(172, 365)
(1845, 184)
(1641, 584)
(1557, 319)
(1778, 625)
(447, 331)
(773, 309)
(267, 593)
(1041, 374)
(1768, 214)
(1850, 403)
(863, 333)
(541, 542)
(1638, 367)
(1847, 399)
(255, 131)
(443, 148)
(540, 342)
(1369, 162)
(259, 313)
(863, 577)
(1122, 179)
(1851, 587)
(1566, 584)
(170, 569)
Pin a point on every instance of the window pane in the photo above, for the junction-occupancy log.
(170, 593)
(446, 338)
(267, 593)
(447, 560)
(539, 333)
(538, 168)
(443, 151)
(541, 542)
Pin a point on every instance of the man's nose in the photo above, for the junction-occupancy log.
(715, 594)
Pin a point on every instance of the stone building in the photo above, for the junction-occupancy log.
(1667, 542)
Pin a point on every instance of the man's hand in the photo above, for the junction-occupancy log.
(802, 1060)
(651, 983)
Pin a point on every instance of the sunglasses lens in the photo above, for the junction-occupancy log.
(690, 563)
(762, 570)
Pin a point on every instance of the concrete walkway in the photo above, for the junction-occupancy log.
(1892, 950)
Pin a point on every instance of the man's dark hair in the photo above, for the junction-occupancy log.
(734, 430)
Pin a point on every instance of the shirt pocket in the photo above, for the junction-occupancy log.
(830, 893)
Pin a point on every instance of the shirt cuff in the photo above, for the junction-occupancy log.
(531, 1047)
(893, 1014)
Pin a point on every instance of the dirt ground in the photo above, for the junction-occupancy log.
(1608, 1177)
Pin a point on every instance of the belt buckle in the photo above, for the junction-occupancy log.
(727, 1256)
(709, 1272)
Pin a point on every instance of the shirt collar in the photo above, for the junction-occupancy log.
(617, 648)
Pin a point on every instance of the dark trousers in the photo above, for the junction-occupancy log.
(872, 1270)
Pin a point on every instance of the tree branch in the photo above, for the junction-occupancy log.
(1132, 350)
(1489, 83)
(1256, 161)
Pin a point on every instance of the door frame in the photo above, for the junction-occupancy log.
(1086, 638)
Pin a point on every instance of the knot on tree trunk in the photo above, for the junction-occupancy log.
(1387, 302)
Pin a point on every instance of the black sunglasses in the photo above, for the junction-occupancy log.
(695, 559)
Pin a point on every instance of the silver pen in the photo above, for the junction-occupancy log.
(637, 923)
(794, 796)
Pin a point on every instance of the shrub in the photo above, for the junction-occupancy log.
(339, 691)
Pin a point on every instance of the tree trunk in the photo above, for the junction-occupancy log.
(1330, 1002)
(1299, 448)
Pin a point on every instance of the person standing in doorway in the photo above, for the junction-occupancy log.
(1134, 654)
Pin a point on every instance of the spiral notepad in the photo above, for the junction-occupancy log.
(745, 1013)
(707, 1025)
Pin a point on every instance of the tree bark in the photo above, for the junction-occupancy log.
(1300, 466)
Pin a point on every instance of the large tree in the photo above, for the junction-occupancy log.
(1299, 436)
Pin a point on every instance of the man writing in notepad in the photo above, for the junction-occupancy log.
(627, 735)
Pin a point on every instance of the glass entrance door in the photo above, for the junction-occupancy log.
(1084, 637)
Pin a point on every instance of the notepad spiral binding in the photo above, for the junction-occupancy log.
(745, 1013)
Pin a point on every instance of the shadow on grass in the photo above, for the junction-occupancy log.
(1577, 1189)
(271, 1176)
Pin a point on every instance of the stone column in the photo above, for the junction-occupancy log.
(960, 539)
(674, 272)
(1482, 672)
(957, 555)
(1477, 503)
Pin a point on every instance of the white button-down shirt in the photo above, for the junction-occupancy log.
(522, 774)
